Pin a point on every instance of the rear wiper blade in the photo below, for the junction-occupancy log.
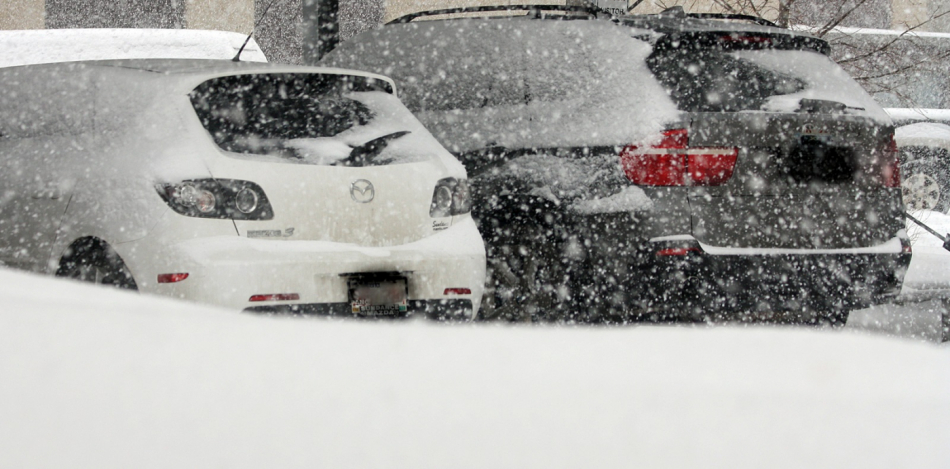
(824, 106)
(364, 154)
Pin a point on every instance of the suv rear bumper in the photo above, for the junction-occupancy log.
(701, 283)
(679, 277)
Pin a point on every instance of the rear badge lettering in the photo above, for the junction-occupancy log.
(270, 233)
(439, 225)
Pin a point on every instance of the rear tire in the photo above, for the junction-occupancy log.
(94, 261)
(524, 284)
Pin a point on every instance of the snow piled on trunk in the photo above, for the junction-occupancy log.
(101, 378)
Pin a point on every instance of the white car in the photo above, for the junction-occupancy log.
(39, 46)
(252, 186)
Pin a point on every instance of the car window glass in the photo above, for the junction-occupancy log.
(707, 80)
(292, 116)
(487, 72)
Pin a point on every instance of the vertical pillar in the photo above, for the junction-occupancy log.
(321, 25)
(22, 14)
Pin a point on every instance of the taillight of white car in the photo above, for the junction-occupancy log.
(217, 198)
(672, 162)
(451, 197)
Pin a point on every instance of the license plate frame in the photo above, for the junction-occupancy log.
(377, 295)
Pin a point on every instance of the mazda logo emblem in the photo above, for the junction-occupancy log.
(362, 191)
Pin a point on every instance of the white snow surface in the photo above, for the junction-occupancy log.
(930, 263)
(94, 377)
(923, 134)
(26, 47)
(629, 199)
(900, 113)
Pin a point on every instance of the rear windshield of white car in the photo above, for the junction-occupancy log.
(324, 119)
(751, 76)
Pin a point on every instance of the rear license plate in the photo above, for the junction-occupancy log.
(378, 296)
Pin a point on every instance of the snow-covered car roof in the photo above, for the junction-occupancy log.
(925, 134)
(193, 68)
(26, 47)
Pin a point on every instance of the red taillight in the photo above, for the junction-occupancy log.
(891, 170)
(275, 297)
(672, 162)
(745, 39)
(677, 251)
(458, 291)
(171, 278)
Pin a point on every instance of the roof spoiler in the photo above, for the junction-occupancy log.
(584, 7)
(679, 12)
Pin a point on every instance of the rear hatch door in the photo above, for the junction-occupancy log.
(812, 144)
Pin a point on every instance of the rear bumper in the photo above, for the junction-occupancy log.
(432, 309)
(679, 277)
(229, 270)
(702, 283)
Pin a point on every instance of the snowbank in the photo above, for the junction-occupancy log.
(100, 378)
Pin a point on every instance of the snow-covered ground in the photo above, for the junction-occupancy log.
(923, 309)
(93, 377)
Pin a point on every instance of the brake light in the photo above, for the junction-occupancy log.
(172, 278)
(672, 162)
(275, 297)
(677, 252)
(891, 169)
(457, 291)
(745, 39)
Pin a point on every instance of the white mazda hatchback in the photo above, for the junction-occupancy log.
(266, 188)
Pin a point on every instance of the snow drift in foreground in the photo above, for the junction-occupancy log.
(100, 378)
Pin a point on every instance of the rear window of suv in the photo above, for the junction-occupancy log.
(732, 73)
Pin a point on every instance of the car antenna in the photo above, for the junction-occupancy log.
(237, 57)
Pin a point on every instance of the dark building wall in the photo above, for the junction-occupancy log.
(115, 14)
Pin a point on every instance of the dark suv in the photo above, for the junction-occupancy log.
(669, 165)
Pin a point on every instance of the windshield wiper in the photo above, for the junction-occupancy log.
(364, 154)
